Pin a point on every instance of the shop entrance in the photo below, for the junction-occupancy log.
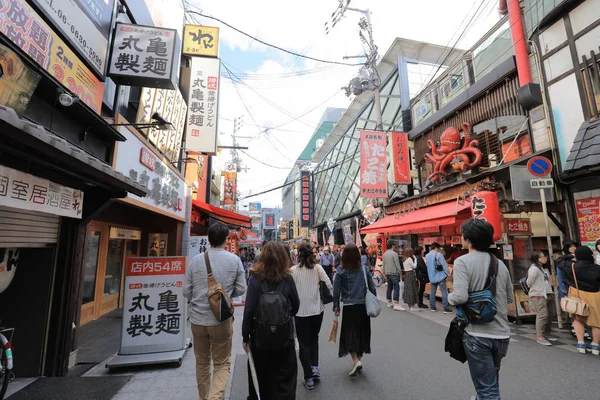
(106, 253)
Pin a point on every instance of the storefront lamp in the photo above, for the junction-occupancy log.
(331, 224)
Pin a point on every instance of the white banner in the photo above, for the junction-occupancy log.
(154, 307)
(203, 106)
(28, 192)
(197, 245)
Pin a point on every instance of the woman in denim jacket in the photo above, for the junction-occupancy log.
(349, 285)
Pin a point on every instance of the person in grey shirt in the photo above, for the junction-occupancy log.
(392, 269)
(212, 339)
(485, 344)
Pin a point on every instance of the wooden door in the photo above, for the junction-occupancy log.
(93, 266)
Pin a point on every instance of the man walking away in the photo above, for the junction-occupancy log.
(212, 339)
(438, 271)
(326, 262)
(485, 344)
(392, 271)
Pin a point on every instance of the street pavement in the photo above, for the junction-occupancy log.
(407, 362)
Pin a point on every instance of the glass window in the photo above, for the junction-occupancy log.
(422, 109)
(90, 266)
(452, 85)
(114, 265)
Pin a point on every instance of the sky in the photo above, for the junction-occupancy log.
(268, 88)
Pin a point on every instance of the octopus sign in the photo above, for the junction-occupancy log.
(450, 157)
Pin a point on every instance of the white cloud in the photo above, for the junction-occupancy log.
(299, 27)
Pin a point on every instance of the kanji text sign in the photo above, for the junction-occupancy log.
(154, 307)
(199, 40)
(373, 164)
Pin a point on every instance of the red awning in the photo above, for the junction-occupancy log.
(249, 234)
(419, 221)
(227, 217)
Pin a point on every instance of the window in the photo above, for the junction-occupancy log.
(591, 78)
(422, 109)
(452, 85)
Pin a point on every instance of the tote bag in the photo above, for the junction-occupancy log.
(371, 302)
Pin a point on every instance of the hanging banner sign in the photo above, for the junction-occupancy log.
(28, 192)
(401, 158)
(21, 24)
(283, 230)
(230, 188)
(199, 40)
(305, 201)
(197, 245)
(588, 219)
(373, 164)
(153, 311)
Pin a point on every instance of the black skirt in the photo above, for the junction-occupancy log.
(411, 288)
(355, 335)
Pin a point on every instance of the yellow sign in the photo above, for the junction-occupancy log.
(199, 40)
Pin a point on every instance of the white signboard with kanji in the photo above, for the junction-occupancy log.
(28, 192)
(203, 106)
(154, 307)
(197, 245)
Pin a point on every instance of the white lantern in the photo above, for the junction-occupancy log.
(9, 259)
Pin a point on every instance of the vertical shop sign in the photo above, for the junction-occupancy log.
(291, 229)
(199, 40)
(373, 164)
(347, 230)
(203, 106)
(283, 230)
(144, 56)
(400, 158)
(305, 200)
(20, 23)
(157, 244)
(229, 190)
(197, 245)
(153, 311)
(588, 219)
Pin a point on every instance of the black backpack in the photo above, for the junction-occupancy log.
(271, 322)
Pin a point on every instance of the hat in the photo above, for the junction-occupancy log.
(584, 253)
(568, 243)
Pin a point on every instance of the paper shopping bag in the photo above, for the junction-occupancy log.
(333, 331)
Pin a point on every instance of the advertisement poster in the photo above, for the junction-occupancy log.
(29, 32)
(507, 252)
(17, 82)
(201, 41)
(524, 305)
(230, 188)
(157, 244)
(401, 158)
(347, 230)
(153, 310)
(197, 245)
(283, 230)
(588, 219)
(373, 164)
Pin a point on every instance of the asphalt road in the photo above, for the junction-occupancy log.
(408, 362)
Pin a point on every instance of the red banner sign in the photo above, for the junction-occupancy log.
(518, 226)
(305, 199)
(588, 219)
(373, 164)
(230, 189)
(400, 158)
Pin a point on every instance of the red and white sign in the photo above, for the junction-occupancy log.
(518, 226)
(400, 158)
(539, 166)
(428, 241)
(148, 159)
(373, 164)
(588, 219)
(305, 199)
(154, 307)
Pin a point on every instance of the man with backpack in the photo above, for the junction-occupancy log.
(212, 337)
(486, 339)
(438, 271)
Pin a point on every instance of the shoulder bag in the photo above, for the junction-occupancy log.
(219, 301)
(454, 341)
(438, 265)
(574, 305)
(371, 302)
(325, 293)
(481, 306)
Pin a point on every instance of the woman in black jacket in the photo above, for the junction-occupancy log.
(422, 275)
(587, 279)
(276, 369)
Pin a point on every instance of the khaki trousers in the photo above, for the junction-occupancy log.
(543, 321)
(213, 343)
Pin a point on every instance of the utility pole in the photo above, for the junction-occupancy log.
(236, 161)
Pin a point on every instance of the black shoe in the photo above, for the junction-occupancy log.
(448, 311)
(423, 306)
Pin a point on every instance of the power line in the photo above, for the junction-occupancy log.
(264, 163)
(271, 45)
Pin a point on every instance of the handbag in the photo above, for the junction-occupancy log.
(574, 305)
(333, 331)
(454, 341)
(438, 266)
(481, 306)
(324, 292)
(219, 301)
(371, 302)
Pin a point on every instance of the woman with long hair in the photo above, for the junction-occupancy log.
(540, 293)
(307, 275)
(411, 288)
(421, 275)
(276, 369)
(349, 286)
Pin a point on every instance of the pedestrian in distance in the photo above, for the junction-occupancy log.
(337, 257)
(438, 272)
(350, 288)
(315, 253)
(326, 261)
(392, 271)
(422, 275)
(597, 252)
(364, 260)
(587, 278)
(411, 288)
(268, 328)
(540, 293)
(307, 275)
(563, 263)
(212, 338)
(485, 344)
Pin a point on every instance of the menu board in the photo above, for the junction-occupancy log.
(588, 219)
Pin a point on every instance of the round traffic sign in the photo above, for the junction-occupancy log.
(539, 166)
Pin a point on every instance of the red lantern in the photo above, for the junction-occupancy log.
(485, 206)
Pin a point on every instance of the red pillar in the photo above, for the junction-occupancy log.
(519, 40)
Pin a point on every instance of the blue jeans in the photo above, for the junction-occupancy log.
(433, 291)
(484, 356)
(393, 283)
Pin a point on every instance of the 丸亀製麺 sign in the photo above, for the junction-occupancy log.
(203, 106)
(28, 31)
(201, 40)
(400, 158)
(28, 192)
(373, 164)
(144, 56)
(153, 309)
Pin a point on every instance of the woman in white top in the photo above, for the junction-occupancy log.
(540, 293)
(411, 287)
(307, 275)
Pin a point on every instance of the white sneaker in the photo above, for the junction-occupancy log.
(390, 305)
(398, 307)
(544, 342)
(355, 369)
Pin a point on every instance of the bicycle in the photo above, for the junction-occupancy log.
(6, 359)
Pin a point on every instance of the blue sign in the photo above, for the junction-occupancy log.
(539, 166)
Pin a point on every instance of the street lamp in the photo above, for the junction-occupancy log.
(331, 224)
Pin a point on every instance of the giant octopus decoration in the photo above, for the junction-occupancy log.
(450, 157)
